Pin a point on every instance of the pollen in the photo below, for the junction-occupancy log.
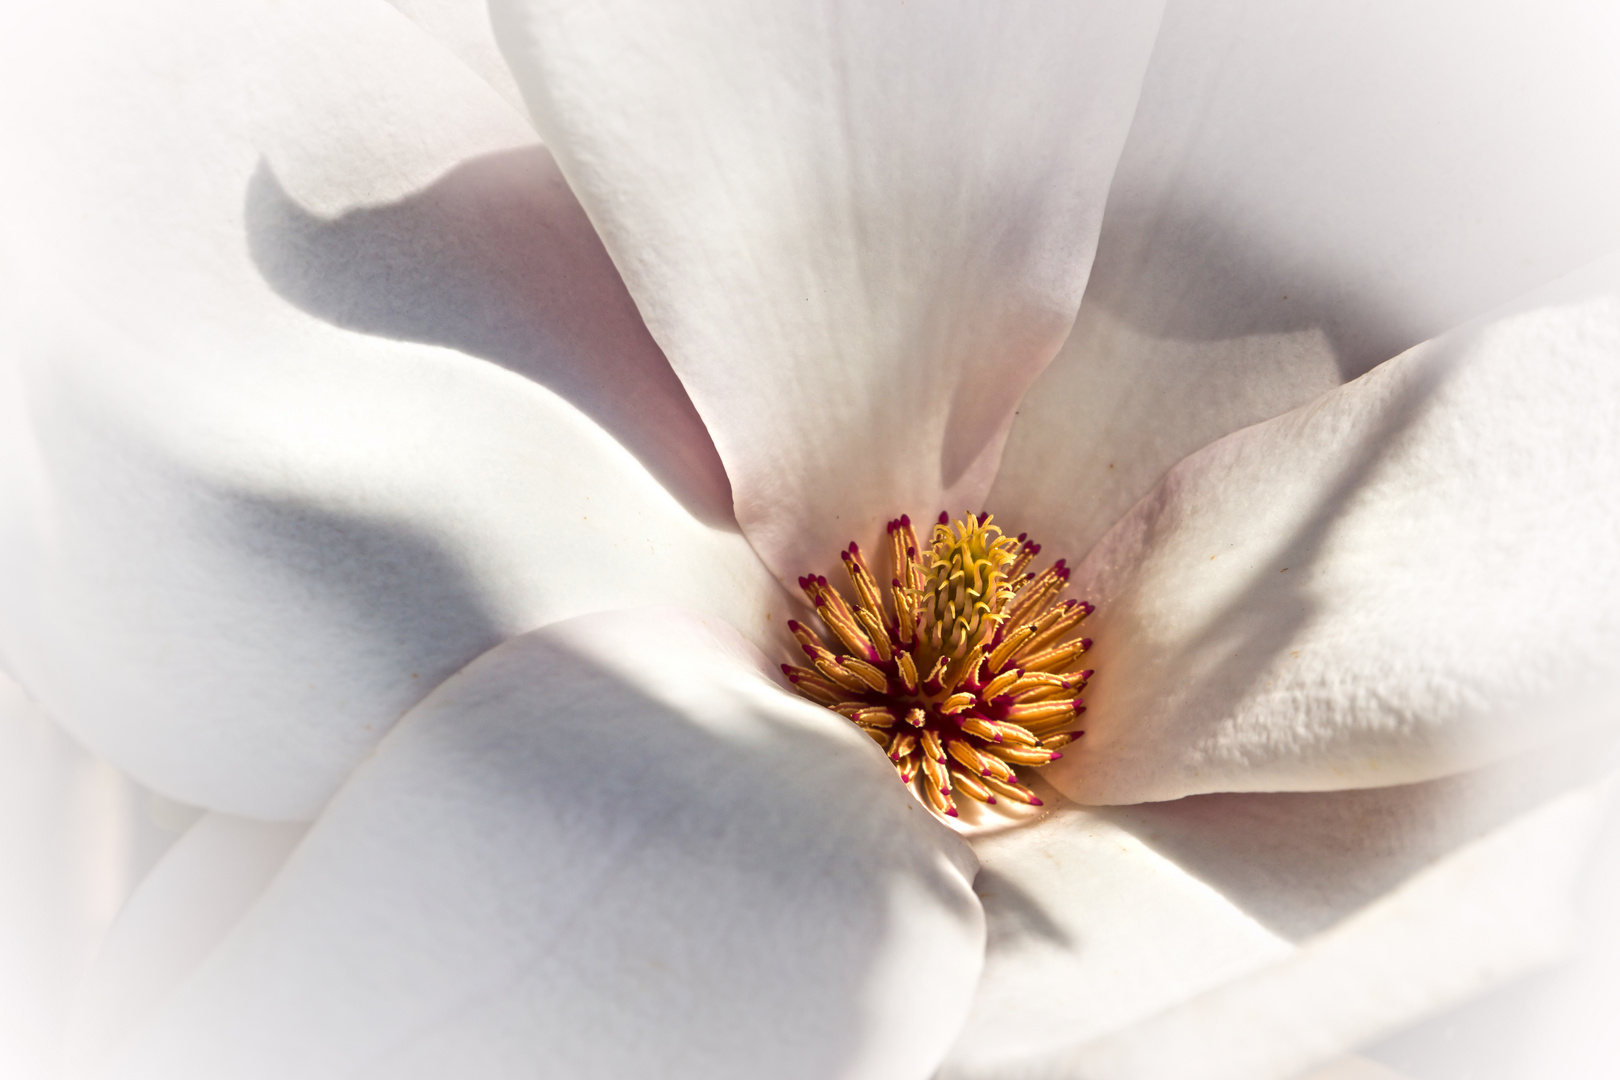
(965, 669)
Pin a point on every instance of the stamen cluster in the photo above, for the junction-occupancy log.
(960, 669)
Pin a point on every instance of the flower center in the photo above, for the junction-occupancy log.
(960, 668)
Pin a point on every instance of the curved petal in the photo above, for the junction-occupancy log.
(1092, 928)
(463, 27)
(612, 847)
(323, 386)
(178, 915)
(1551, 1023)
(1308, 190)
(859, 231)
(1415, 575)
(69, 840)
(1256, 935)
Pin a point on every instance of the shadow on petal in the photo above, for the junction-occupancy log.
(293, 634)
(497, 259)
(1190, 329)
(1021, 918)
(1298, 862)
(1167, 908)
(1242, 640)
(607, 848)
(1301, 863)
(1188, 332)
(1220, 661)
(1190, 272)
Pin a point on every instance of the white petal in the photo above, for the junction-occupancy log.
(859, 232)
(1558, 1022)
(180, 913)
(1354, 1067)
(1255, 935)
(463, 27)
(1093, 927)
(1493, 911)
(69, 840)
(1117, 408)
(324, 387)
(1308, 190)
(612, 847)
(1414, 575)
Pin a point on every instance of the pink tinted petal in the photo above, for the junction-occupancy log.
(1416, 574)
(1308, 190)
(858, 230)
(316, 384)
(612, 847)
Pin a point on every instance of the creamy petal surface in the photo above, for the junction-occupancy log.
(317, 385)
(174, 920)
(1308, 190)
(463, 27)
(612, 847)
(73, 841)
(1254, 936)
(1414, 575)
(1093, 927)
(858, 230)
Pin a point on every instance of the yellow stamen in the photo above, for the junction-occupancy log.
(1012, 790)
(907, 668)
(876, 716)
(868, 674)
(834, 671)
(969, 785)
(998, 685)
(993, 639)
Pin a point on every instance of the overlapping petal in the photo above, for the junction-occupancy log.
(1258, 935)
(612, 847)
(858, 230)
(463, 27)
(1308, 190)
(205, 883)
(318, 385)
(396, 406)
(1092, 927)
(1414, 575)
(70, 844)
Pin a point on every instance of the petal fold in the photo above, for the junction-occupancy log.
(462, 26)
(1256, 936)
(317, 384)
(1093, 927)
(1417, 574)
(612, 847)
(857, 230)
(73, 840)
(174, 920)
(1307, 191)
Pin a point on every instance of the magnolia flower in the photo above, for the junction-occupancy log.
(428, 527)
